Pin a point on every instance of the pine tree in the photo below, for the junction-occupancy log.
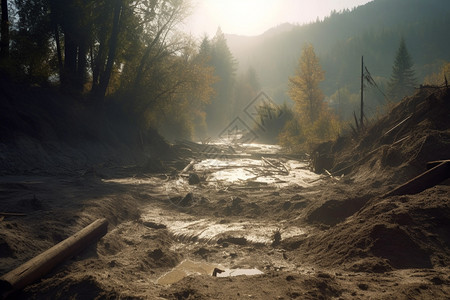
(403, 79)
(304, 86)
(219, 113)
(205, 49)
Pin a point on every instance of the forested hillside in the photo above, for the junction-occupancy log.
(132, 56)
(126, 56)
(373, 30)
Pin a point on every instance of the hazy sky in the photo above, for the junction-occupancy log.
(253, 17)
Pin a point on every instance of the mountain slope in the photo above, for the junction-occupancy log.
(373, 30)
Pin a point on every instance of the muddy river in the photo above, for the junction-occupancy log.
(251, 169)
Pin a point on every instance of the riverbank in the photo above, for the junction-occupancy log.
(247, 207)
(324, 249)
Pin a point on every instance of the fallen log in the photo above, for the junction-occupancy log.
(12, 214)
(423, 181)
(40, 265)
(188, 167)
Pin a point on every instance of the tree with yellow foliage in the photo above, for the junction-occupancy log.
(313, 121)
(304, 86)
(441, 77)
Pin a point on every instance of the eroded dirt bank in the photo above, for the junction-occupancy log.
(312, 237)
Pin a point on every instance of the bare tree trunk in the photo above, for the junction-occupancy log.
(161, 33)
(81, 66)
(58, 52)
(98, 62)
(4, 48)
(106, 76)
(70, 61)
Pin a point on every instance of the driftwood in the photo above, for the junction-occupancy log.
(6, 214)
(40, 265)
(282, 168)
(188, 167)
(424, 181)
(331, 175)
(328, 174)
(393, 128)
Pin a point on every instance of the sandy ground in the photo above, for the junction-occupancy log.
(312, 237)
(337, 241)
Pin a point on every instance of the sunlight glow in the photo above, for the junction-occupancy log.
(254, 17)
(244, 17)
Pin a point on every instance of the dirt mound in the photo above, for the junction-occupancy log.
(396, 147)
(399, 232)
(392, 243)
(375, 234)
(332, 212)
(43, 130)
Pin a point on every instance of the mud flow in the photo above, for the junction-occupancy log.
(233, 221)
(215, 211)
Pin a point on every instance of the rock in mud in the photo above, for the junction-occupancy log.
(193, 179)
(236, 203)
(154, 225)
(363, 286)
(156, 254)
(276, 238)
(187, 200)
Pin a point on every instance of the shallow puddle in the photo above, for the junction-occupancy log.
(189, 267)
(186, 268)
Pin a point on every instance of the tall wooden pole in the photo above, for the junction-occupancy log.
(362, 92)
